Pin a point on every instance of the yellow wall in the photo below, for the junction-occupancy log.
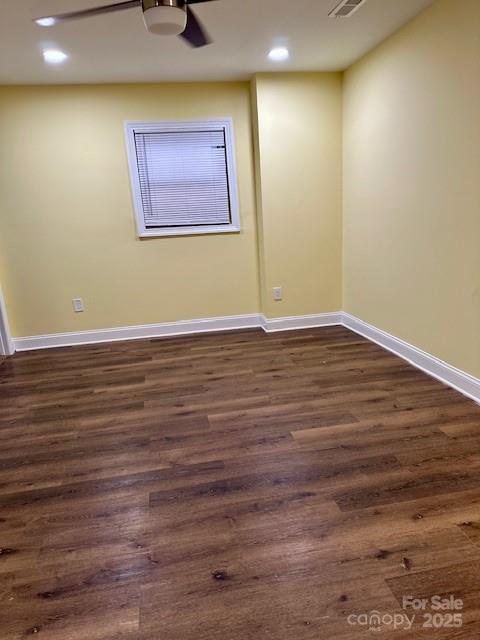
(412, 184)
(67, 225)
(299, 190)
(66, 218)
(264, 294)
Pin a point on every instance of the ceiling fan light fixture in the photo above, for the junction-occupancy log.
(165, 20)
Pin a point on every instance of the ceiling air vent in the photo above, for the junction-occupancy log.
(346, 8)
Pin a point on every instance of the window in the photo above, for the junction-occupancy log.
(183, 177)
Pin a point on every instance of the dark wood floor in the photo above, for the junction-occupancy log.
(237, 487)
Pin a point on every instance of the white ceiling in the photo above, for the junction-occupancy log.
(117, 48)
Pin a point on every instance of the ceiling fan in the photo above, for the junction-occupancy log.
(162, 17)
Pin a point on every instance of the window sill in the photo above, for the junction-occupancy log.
(187, 231)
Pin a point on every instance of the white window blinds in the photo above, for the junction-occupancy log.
(183, 178)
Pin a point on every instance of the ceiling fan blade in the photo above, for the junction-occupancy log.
(194, 33)
(49, 21)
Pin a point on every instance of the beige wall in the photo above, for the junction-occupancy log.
(412, 184)
(299, 190)
(66, 218)
(67, 225)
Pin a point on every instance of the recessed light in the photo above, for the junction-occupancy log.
(54, 56)
(46, 22)
(279, 54)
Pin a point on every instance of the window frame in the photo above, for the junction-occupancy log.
(153, 126)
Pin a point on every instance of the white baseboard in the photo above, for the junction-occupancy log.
(459, 380)
(270, 325)
(179, 328)
(451, 376)
(162, 330)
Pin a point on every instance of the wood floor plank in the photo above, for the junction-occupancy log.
(232, 486)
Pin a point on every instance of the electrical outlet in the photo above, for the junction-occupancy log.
(277, 294)
(78, 305)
